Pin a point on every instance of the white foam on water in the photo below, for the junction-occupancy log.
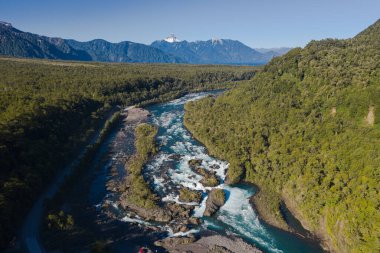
(170, 198)
(158, 182)
(191, 231)
(198, 211)
(165, 119)
(188, 98)
(171, 123)
(164, 140)
(114, 205)
(208, 223)
(176, 129)
(238, 213)
(135, 220)
(175, 198)
(98, 206)
(198, 152)
(180, 148)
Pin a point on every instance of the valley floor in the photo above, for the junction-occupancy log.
(99, 223)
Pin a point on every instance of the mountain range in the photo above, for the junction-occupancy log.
(16, 43)
(215, 51)
(275, 50)
(126, 51)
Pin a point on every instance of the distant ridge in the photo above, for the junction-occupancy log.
(275, 50)
(126, 51)
(16, 43)
(214, 51)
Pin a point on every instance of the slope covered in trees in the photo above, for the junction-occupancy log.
(14, 42)
(48, 109)
(306, 130)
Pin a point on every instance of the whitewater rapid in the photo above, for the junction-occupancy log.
(237, 215)
(169, 171)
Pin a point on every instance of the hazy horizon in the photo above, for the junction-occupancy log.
(255, 23)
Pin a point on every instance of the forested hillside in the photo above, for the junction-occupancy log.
(49, 109)
(14, 42)
(306, 130)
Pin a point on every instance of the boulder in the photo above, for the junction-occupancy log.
(214, 167)
(216, 199)
(155, 214)
(177, 210)
(218, 249)
(210, 181)
(203, 172)
(180, 228)
(172, 242)
(194, 221)
(188, 195)
(175, 156)
(193, 163)
(209, 177)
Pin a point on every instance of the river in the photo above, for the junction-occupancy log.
(168, 171)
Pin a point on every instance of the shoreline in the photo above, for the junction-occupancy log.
(310, 237)
(315, 237)
(94, 225)
(256, 206)
(176, 242)
(290, 228)
(211, 242)
(29, 234)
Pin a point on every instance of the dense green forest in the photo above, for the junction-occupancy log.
(306, 130)
(50, 109)
(139, 192)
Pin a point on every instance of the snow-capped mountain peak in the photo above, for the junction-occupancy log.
(216, 41)
(172, 38)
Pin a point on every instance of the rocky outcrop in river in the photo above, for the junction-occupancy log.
(188, 195)
(180, 175)
(216, 199)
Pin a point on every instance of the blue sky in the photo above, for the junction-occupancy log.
(257, 23)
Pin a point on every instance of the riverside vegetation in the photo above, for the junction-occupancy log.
(58, 225)
(139, 192)
(50, 109)
(306, 131)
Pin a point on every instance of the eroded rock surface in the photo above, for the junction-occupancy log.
(216, 199)
(211, 244)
